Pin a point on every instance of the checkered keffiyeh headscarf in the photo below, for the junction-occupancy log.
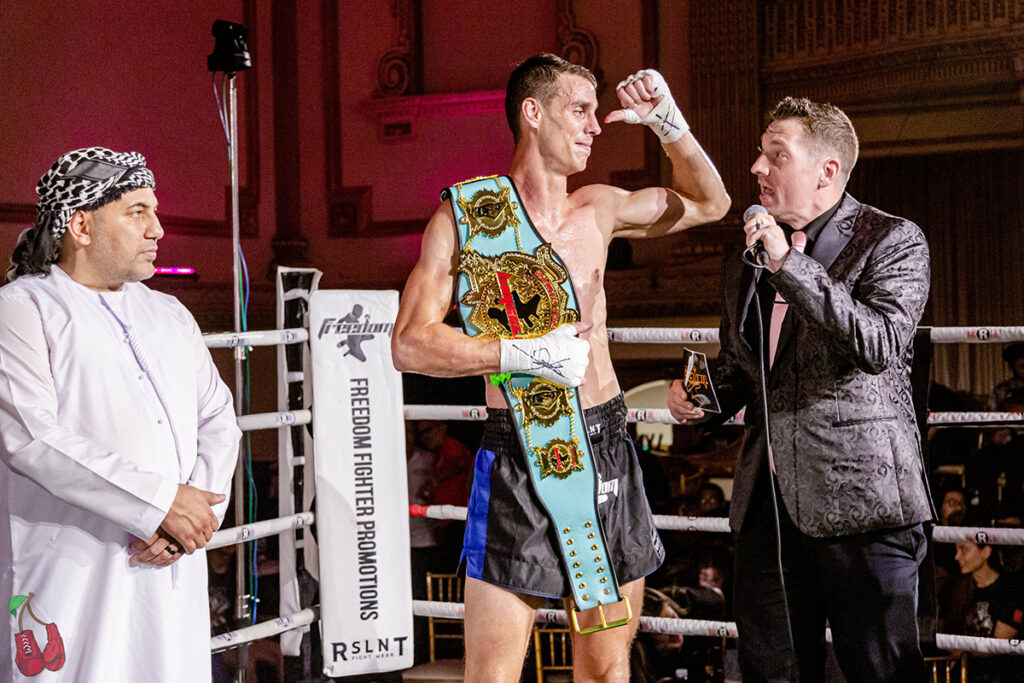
(83, 177)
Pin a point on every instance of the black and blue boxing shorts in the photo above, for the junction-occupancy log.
(509, 540)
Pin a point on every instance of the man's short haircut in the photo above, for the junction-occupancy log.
(827, 130)
(536, 78)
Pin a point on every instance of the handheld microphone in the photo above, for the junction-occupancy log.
(755, 255)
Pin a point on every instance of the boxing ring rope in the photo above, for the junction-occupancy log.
(551, 617)
(709, 335)
(723, 629)
(228, 340)
(413, 411)
(662, 415)
(288, 418)
(720, 525)
(692, 627)
(717, 525)
(264, 629)
(268, 527)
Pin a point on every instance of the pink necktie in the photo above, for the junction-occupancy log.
(799, 240)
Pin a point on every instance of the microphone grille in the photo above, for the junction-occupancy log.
(752, 211)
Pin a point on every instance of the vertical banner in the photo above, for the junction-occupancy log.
(362, 507)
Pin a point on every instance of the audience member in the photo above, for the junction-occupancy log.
(451, 480)
(453, 464)
(1013, 355)
(711, 501)
(987, 603)
(665, 658)
(953, 507)
(419, 466)
(952, 511)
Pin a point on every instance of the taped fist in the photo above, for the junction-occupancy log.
(559, 356)
(645, 98)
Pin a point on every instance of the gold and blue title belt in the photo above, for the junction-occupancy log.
(511, 284)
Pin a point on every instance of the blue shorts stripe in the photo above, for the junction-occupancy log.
(474, 546)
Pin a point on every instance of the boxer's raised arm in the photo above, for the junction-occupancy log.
(697, 195)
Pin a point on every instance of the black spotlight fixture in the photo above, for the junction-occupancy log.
(230, 51)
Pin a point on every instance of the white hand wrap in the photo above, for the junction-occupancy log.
(560, 356)
(665, 119)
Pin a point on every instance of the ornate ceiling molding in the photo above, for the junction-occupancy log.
(398, 69)
(578, 45)
(840, 31)
(915, 75)
(866, 52)
(448, 105)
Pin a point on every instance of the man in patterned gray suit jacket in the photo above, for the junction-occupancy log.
(845, 467)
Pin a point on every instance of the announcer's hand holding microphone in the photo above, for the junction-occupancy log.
(766, 242)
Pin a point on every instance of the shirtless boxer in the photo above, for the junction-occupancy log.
(510, 555)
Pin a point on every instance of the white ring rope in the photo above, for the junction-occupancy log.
(429, 412)
(662, 415)
(269, 527)
(977, 335)
(709, 335)
(552, 617)
(634, 335)
(227, 340)
(979, 535)
(973, 417)
(723, 629)
(663, 335)
(716, 525)
(249, 423)
(264, 629)
(720, 525)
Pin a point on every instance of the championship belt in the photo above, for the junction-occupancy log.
(511, 284)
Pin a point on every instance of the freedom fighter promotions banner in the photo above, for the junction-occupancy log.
(362, 506)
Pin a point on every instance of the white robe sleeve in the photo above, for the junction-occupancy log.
(68, 465)
(217, 428)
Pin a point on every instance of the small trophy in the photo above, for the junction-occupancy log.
(698, 382)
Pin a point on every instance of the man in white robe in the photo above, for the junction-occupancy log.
(118, 441)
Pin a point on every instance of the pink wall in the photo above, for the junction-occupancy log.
(133, 76)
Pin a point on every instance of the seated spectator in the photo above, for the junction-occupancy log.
(453, 463)
(1013, 356)
(714, 564)
(451, 480)
(987, 603)
(658, 657)
(953, 507)
(952, 510)
(711, 501)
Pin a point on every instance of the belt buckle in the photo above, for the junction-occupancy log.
(605, 624)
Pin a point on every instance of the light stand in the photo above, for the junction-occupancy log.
(230, 55)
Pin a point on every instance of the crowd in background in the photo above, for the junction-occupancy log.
(977, 478)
